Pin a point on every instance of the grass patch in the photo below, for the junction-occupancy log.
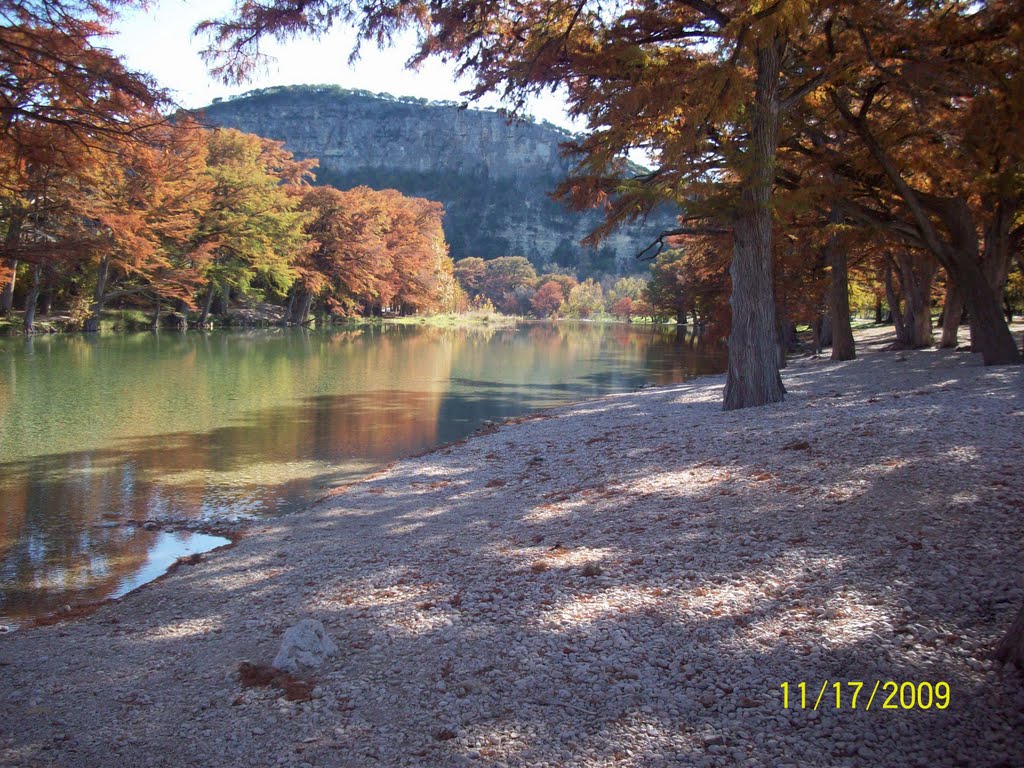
(125, 320)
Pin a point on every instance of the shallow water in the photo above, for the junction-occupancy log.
(101, 433)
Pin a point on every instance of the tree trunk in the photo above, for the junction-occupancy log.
(990, 335)
(952, 312)
(753, 378)
(156, 315)
(28, 323)
(878, 310)
(916, 278)
(998, 246)
(1011, 648)
(895, 309)
(841, 332)
(7, 297)
(204, 315)
(47, 302)
(822, 328)
(92, 322)
(287, 318)
(817, 328)
(302, 305)
(827, 337)
(14, 224)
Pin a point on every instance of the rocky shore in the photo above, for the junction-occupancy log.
(628, 581)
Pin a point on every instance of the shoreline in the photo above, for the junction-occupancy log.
(628, 579)
(134, 321)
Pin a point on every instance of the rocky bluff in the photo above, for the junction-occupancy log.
(492, 176)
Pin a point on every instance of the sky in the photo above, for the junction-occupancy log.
(159, 41)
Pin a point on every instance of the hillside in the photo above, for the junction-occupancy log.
(493, 176)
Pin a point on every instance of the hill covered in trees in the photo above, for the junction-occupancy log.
(493, 176)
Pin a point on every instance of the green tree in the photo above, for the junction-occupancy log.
(470, 274)
(584, 300)
(503, 276)
(252, 225)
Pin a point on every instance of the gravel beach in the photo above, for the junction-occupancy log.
(628, 581)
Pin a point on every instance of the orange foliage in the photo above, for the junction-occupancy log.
(547, 299)
(376, 250)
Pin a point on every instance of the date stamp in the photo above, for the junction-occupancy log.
(856, 694)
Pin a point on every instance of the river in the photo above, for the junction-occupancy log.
(114, 448)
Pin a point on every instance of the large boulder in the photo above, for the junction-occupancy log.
(304, 647)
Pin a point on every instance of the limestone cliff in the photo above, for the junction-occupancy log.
(492, 176)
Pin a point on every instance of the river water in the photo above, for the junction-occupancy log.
(100, 434)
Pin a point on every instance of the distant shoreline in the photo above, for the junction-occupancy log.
(131, 321)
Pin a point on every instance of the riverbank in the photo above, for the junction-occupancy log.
(625, 581)
(256, 315)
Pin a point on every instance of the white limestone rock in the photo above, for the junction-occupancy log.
(304, 646)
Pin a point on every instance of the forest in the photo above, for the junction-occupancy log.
(176, 218)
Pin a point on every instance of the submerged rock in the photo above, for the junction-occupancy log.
(304, 646)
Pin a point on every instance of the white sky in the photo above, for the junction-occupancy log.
(160, 41)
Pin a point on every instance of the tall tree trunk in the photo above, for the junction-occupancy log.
(843, 346)
(878, 310)
(753, 378)
(156, 315)
(990, 335)
(895, 306)
(996, 251)
(92, 322)
(204, 315)
(287, 318)
(826, 331)
(28, 323)
(952, 312)
(14, 225)
(7, 297)
(47, 302)
(304, 303)
(916, 277)
(998, 246)
(817, 328)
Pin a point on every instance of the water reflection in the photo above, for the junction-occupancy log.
(99, 434)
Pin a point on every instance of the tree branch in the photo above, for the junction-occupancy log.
(710, 11)
(659, 241)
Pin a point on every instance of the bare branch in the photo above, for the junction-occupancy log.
(659, 241)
